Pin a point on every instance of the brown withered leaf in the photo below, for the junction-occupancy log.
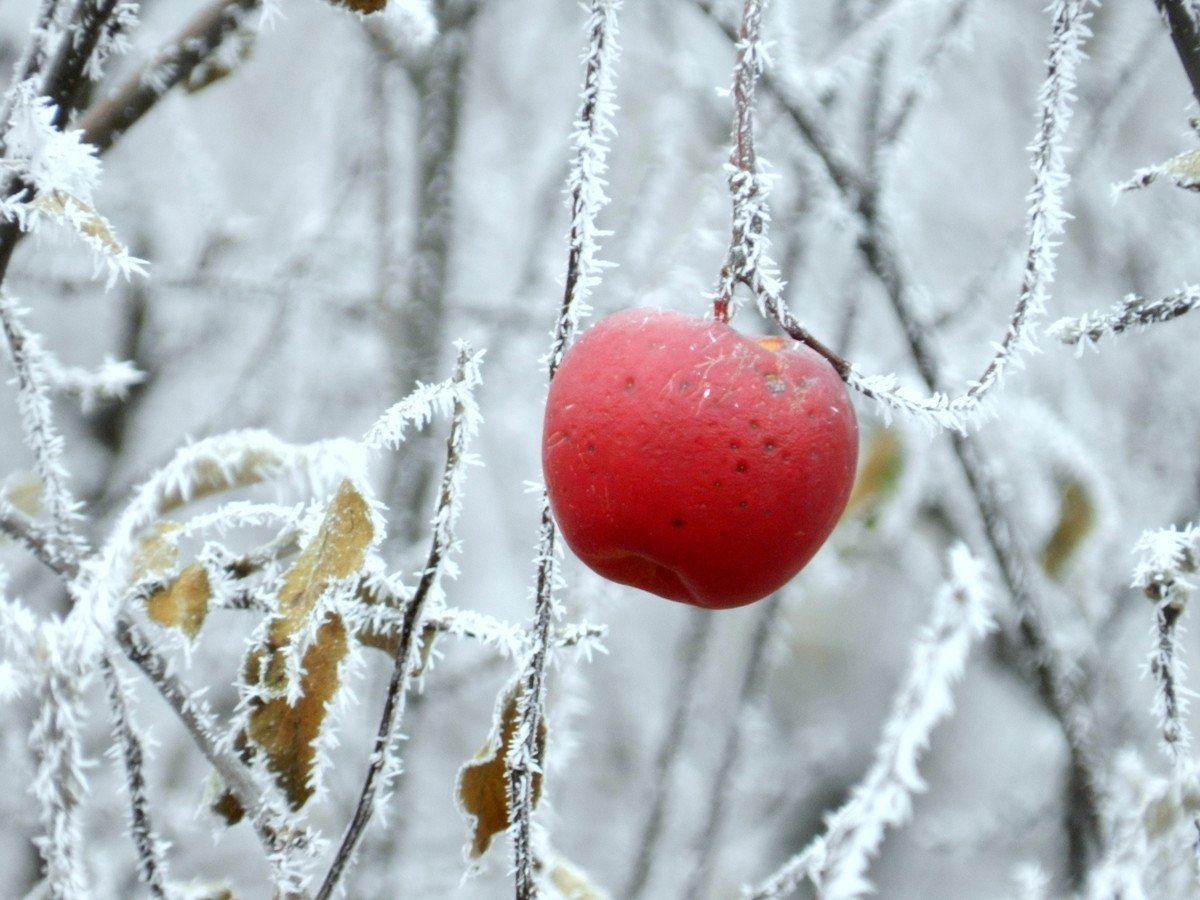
(211, 477)
(361, 6)
(183, 603)
(482, 787)
(285, 731)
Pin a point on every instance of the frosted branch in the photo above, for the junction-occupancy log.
(41, 436)
(1167, 562)
(152, 865)
(59, 783)
(113, 113)
(836, 861)
(585, 181)
(586, 184)
(1134, 311)
(113, 380)
(384, 764)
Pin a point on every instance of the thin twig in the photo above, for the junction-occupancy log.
(1180, 17)
(151, 865)
(721, 792)
(586, 185)
(670, 747)
(113, 114)
(442, 544)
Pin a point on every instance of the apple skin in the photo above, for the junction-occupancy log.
(692, 461)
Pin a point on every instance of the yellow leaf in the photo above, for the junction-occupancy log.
(284, 731)
(25, 495)
(482, 785)
(80, 216)
(182, 604)
(572, 882)
(878, 473)
(155, 552)
(1075, 521)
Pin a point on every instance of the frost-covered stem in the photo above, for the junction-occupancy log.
(35, 539)
(721, 791)
(1134, 311)
(59, 781)
(1170, 695)
(670, 746)
(199, 725)
(836, 861)
(33, 57)
(586, 183)
(444, 538)
(746, 256)
(1181, 18)
(1046, 217)
(1168, 560)
(42, 438)
(522, 759)
(151, 864)
(113, 114)
(69, 68)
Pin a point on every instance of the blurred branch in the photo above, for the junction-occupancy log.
(110, 116)
(670, 746)
(1180, 17)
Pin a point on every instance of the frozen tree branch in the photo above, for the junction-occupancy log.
(836, 862)
(1168, 559)
(670, 745)
(593, 127)
(42, 438)
(384, 764)
(1133, 312)
(152, 865)
(113, 114)
(1181, 18)
(753, 680)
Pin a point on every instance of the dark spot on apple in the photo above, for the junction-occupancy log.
(591, 448)
(734, 445)
(683, 388)
(742, 467)
(716, 484)
(629, 385)
(754, 425)
(769, 446)
(677, 522)
(743, 504)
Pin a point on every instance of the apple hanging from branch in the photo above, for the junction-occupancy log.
(692, 461)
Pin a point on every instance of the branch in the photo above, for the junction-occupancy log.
(110, 116)
(670, 745)
(1134, 311)
(836, 861)
(462, 427)
(1180, 17)
(151, 864)
(586, 185)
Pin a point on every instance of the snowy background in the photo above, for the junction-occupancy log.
(320, 224)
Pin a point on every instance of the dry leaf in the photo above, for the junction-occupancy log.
(183, 603)
(878, 473)
(361, 6)
(482, 785)
(1075, 521)
(286, 731)
(81, 216)
(155, 552)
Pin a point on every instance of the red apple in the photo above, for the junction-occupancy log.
(689, 460)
